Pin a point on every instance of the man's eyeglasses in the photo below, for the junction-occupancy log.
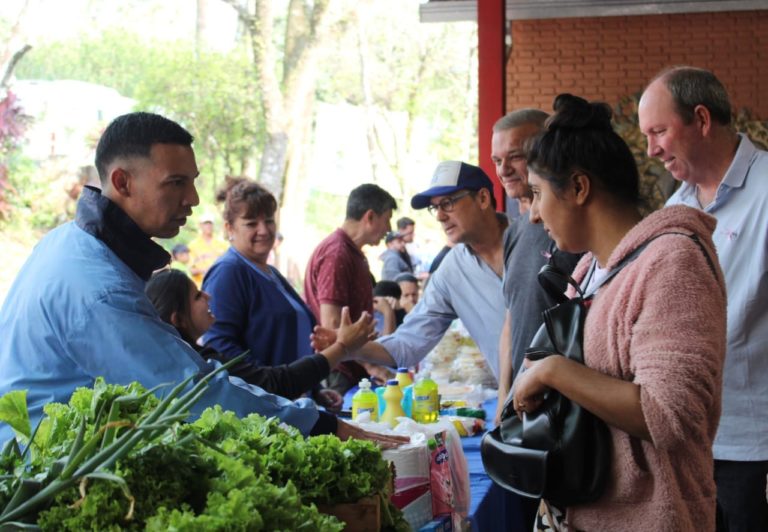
(447, 204)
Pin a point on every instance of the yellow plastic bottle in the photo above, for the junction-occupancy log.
(426, 401)
(365, 400)
(393, 395)
(403, 378)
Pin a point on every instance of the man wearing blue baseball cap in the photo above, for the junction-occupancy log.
(468, 283)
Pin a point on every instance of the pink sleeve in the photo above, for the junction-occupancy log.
(677, 341)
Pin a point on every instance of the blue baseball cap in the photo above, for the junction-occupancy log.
(450, 177)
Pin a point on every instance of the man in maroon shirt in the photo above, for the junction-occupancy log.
(338, 274)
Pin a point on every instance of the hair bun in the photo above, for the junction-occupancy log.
(230, 182)
(573, 112)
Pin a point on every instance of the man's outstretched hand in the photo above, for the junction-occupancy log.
(322, 338)
(352, 335)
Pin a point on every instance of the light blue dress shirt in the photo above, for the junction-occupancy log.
(464, 287)
(76, 311)
(741, 238)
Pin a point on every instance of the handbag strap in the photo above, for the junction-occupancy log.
(549, 271)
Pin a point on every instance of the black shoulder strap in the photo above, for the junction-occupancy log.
(634, 254)
(550, 270)
(696, 239)
(620, 266)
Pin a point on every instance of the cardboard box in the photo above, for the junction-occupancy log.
(361, 516)
(419, 511)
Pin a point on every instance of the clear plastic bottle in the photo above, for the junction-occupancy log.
(365, 400)
(407, 402)
(393, 409)
(379, 390)
(403, 378)
(426, 401)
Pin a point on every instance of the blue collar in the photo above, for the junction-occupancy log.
(98, 216)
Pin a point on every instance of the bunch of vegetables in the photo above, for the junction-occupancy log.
(117, 458)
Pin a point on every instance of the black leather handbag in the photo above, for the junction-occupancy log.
(561, 452)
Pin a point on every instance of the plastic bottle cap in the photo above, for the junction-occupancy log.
(402, 370)
(393, 382)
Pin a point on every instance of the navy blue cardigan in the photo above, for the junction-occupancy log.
(252, 314)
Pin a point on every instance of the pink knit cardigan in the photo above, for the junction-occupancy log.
(660, 323)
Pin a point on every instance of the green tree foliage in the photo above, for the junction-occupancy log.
(323, 50)
(424, 70)
(213, 94)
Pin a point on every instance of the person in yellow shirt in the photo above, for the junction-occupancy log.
(205, 249)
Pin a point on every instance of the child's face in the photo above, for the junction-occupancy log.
(182, 257)
(200, 316)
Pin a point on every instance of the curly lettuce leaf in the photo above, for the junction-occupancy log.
(13, 410)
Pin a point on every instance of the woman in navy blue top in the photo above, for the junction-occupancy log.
(256, 308)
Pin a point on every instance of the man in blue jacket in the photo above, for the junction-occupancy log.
(77, 309)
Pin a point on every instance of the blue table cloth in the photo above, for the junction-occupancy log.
(491, 508)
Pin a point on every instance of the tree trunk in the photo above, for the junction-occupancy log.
(201, 26)
(296, 248)
(365, 87)
(273, 162)
(8, 70)
(14, 37)
(287, 100)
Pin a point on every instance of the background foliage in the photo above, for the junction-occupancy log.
(213, 94)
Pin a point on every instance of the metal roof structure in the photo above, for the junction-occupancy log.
(466, 10)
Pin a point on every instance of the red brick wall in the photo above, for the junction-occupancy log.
(612, 57)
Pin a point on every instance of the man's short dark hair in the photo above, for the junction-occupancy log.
(134, 134)
(690, 86)
(368, 197)
(387, 289)
(404, 222)
(406, 277)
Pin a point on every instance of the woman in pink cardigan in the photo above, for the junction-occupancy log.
(654, 338)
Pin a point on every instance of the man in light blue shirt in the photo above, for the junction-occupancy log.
(468, 283)
(77, 309)
(685, 114)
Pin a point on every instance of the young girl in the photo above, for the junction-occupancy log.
(180, 303)
(654, 337)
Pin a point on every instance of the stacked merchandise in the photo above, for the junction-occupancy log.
(457, 359)
(469, 366)
(411, 492)
(431, 476)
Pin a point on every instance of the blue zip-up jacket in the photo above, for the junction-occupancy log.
(77, 310)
